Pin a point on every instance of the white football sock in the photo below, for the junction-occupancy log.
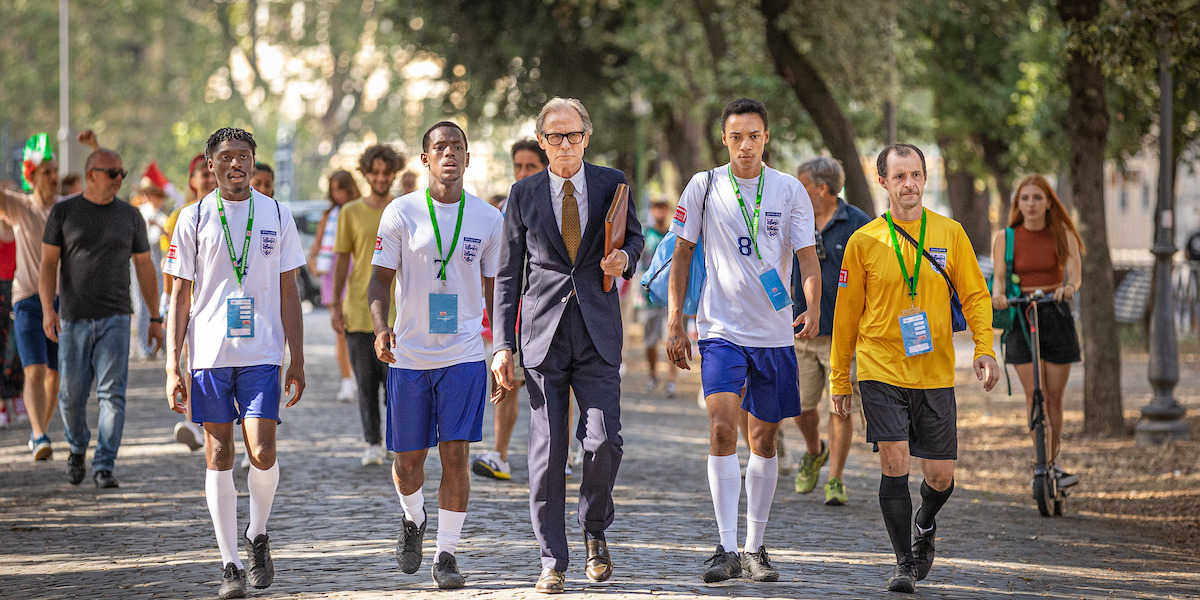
(449, 529)
(222, 507)
(414, 505)
(761, 476)
(262, 486)
(725, 484)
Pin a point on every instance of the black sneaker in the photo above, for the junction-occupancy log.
(260, 569)
(233, 583)
(105, 479)
(722, 565)
(922, 549)
(408, 547)
(902, 579)
(446, 573)
(75, 468)
(758, 566)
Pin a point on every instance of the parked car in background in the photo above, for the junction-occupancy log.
(307, 214)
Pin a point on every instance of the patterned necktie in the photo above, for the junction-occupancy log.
(570, 220)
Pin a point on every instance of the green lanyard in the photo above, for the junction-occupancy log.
(751, 224)
(437, 234)
(912, 283)
(240, 267)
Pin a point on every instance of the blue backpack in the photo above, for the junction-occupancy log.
(657, 279)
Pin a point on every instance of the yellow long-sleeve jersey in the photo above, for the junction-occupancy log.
(872, 293)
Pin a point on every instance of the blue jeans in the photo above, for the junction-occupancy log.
(100, 349)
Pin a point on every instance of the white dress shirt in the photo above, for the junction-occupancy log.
(581, 199)
(556, 197)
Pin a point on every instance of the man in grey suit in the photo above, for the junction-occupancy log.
(552, 265)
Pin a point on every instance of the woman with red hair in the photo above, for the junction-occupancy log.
(1046, 256)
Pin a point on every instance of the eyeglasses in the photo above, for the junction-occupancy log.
(113, 173)
(820, 246)
(555, 139)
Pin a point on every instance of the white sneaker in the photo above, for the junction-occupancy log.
(189, 434)
(372, 455)
(671, 389)
(651, 384)
(489, 464)
(349, 391)
(245, 461)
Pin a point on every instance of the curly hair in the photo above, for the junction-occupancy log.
(394, 160)
(225, 134)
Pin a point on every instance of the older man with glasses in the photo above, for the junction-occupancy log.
(94, 235)
(835, 222)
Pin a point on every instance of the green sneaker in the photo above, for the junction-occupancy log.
(810, 469)
(835, 492)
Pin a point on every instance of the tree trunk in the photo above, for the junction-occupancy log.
(969, 208)
(1086, 126)
(993, 157)
(683, 137)
(814, 95)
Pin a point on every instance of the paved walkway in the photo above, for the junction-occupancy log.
(335, 523)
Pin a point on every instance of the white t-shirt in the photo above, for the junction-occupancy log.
(406, 244)
(733, 304)
(274, 249)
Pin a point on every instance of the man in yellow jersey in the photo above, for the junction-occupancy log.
(894, 309)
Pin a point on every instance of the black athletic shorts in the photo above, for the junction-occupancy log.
(926, 419)
(1059, 342)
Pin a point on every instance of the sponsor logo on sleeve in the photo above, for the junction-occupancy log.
(378, 245)
(172, 254)
(843, 277)
(680, 215)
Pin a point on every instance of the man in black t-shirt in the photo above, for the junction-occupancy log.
(94, 234)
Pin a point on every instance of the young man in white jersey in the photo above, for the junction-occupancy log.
(752, 219)
(443, 243)
(234, 256)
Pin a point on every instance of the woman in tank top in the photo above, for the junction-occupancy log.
(1046, 256)
(342, 190)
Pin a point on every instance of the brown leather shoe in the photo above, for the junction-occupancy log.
(551, 581)
(599, 563)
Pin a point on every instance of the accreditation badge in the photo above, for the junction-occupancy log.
(443, 313)
(773, 286)
(240, 317)
(914, 331)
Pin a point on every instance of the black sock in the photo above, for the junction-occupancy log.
(896, 505)
(931, 503)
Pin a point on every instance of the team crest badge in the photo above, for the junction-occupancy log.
(268, 242)
(470, 249)
(772, 223)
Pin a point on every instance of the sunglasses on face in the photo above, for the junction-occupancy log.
(113, 173)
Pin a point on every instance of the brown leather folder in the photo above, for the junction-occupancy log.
(614, 226)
